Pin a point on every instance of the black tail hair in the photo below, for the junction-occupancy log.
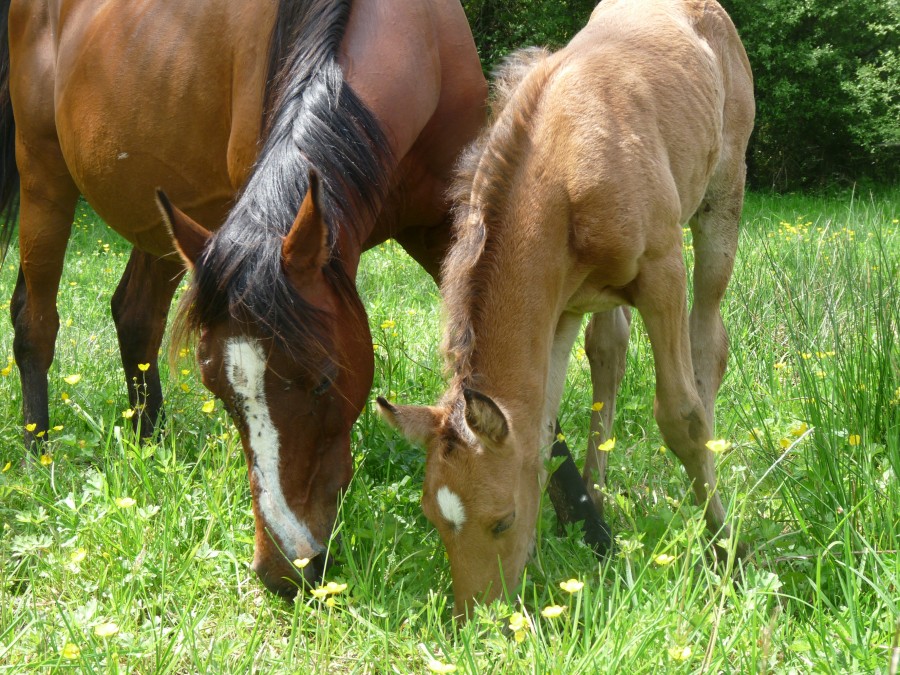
(9, 172)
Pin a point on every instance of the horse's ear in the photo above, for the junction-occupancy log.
(485, 418)
(305, 248)
(189, 237)
(417, 422)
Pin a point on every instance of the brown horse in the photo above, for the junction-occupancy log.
(573, 202)
(342, 120)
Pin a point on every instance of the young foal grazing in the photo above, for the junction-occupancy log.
(573, 202)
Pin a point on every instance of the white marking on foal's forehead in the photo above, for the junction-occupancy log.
(451, 507)
(245, 368)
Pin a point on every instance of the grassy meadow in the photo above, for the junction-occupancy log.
(118, 557)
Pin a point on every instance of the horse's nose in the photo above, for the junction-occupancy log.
(286, 579)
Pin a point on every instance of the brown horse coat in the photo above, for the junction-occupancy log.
(114, 99)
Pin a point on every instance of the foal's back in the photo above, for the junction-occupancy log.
(631, 138)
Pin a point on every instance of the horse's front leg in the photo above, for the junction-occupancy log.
(47, 208)
(140, 306)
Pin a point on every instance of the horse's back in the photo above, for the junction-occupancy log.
(141, 95)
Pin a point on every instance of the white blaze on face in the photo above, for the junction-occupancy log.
(451, 507)
(245, 367)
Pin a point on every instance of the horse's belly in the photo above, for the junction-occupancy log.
(151, 106)
(590, 298)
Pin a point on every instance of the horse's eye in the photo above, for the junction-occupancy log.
(322, 387)
(503, 524)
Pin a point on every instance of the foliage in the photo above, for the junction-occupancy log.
(501, 26)
(828, 89)
(827, 79)
(122, 557)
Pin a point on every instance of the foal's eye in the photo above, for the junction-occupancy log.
(503, 524)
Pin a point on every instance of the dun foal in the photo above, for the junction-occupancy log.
(573, 202)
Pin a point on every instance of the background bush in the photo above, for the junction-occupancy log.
(827, 79)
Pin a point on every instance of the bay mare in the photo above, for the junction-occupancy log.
(573, 202)
(304, 132)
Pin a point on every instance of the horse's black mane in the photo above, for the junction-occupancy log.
(312, 119)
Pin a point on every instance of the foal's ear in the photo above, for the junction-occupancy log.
(189, 236)
(418, 423)
(305, 248)
(485, 418)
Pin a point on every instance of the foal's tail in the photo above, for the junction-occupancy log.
(9, 173)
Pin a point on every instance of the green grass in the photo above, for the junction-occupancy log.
(810, 402)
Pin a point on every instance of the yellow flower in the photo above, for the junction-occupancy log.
(664, 559)
(662, 450)
(106, 629)
(719, 445)
(680, 653)
(185, 388)
(387, 325)
(64, 396)
(71, 651)
(125, 502)
(6, 371)
(143, 367)
(209, 406)
(58, 427)
(183, 352)
(598, 406)
(571, 586)
(46, 460)
(552, 611)
(778, 366)
(331, 588)
(300, 563)
(518, 622)
(785, 443)
(78, 555)
(608, 445)
(185, 371)
(330, 602)
(30, 427)
(72, 379)
(6, 467)
(799, 428)
(853, 439)
(436, 666)
(560, 437)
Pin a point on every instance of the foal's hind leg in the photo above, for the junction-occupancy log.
(715, 235)
(139, 308)
(606, 346)
(47, 208)
(679, 411)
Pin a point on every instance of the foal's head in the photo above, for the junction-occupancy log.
(479, 493)
(286, 347)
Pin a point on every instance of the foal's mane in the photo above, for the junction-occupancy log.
(485, 175)
(312, 120)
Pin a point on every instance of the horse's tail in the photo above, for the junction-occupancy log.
(9, 173)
